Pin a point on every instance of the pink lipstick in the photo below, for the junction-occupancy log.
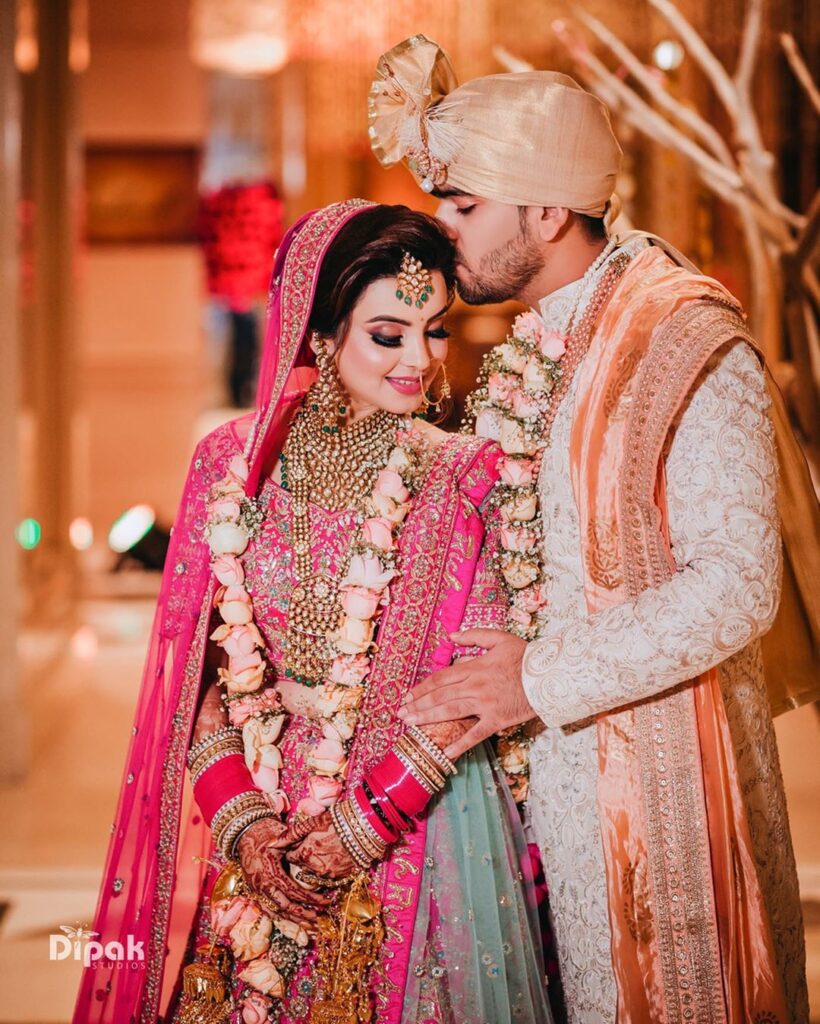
(405, 385)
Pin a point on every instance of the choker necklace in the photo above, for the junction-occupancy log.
(336, 470)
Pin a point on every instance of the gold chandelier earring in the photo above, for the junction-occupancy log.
(327, 396)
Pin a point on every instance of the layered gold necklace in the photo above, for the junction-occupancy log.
(334, 469)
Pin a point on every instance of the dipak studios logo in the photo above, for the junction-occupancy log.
(82, 944)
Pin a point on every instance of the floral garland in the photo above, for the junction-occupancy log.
(515, 390)
(233, 519)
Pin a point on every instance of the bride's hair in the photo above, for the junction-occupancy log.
(369, 247)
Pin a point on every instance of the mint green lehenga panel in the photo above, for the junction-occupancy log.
(476, 955)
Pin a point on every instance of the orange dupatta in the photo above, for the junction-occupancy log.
(691, 938)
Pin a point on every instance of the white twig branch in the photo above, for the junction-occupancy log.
(648, 119)
(801, 72)
(748, 49)
(685, 115)
(703, 56)
(510, 61)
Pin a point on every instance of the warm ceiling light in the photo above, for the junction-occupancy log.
(81, 533)
(668, 55)
(239, 37)
(26, 49)
(25, 45)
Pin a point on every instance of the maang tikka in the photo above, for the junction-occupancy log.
(414, 283)
(327, 395)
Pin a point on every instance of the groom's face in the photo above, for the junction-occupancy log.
(497, 256)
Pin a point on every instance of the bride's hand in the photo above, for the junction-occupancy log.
(443, 734)
(261, 854)
(322, 853)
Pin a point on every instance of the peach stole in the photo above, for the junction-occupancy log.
(691, 939)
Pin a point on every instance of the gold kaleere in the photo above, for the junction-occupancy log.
(347, 945)
(205, 985)
(206, 997)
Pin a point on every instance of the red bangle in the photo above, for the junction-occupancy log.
(226, 778)
(400, 786)
(372, 818)
(397, 820)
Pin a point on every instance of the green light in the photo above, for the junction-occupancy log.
(28, 534)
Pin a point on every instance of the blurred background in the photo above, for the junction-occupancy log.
(153, 153)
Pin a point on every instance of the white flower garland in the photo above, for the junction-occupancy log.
(515, 391)
(232, 520)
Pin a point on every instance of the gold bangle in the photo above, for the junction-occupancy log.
(226, 748)
(422, 762)
(373, 836)
(440, 759)
(235, 815)
(374, 849)
(357, 855)
(225, 740)
(239, 826)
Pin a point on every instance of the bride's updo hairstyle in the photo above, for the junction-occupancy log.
(369, 247)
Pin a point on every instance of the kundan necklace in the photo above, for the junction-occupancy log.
(336, 470)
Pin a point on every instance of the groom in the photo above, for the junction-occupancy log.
(655, 790)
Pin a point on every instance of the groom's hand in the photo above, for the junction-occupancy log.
(486, 688)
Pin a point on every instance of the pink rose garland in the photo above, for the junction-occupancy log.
(515, 391)
(232, 520)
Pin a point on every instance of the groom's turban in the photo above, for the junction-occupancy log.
(534, 138)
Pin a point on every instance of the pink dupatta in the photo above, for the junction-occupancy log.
(150, 882)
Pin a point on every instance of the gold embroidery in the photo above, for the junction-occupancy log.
(679, 867)
(173, 774)
(401, 895)
(637, 901)
(605, 561)
(407, 638)
(626, 364)
(404, 866)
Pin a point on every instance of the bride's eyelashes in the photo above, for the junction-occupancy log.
(465, 211)
(395, 340)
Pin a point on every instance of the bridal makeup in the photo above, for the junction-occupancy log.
(393, 350)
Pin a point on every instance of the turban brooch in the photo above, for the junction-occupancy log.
(409, 118)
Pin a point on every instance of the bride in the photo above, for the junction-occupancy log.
(284, 848)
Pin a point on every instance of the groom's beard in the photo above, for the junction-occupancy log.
(502, 273)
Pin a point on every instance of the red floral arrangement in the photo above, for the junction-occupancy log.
(240, 227)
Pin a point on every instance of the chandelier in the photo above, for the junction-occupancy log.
(239, 37)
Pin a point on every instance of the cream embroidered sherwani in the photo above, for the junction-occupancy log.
(721, 480)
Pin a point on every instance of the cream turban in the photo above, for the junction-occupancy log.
(534, 138)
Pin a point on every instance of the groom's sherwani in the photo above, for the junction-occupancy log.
(720, 489)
